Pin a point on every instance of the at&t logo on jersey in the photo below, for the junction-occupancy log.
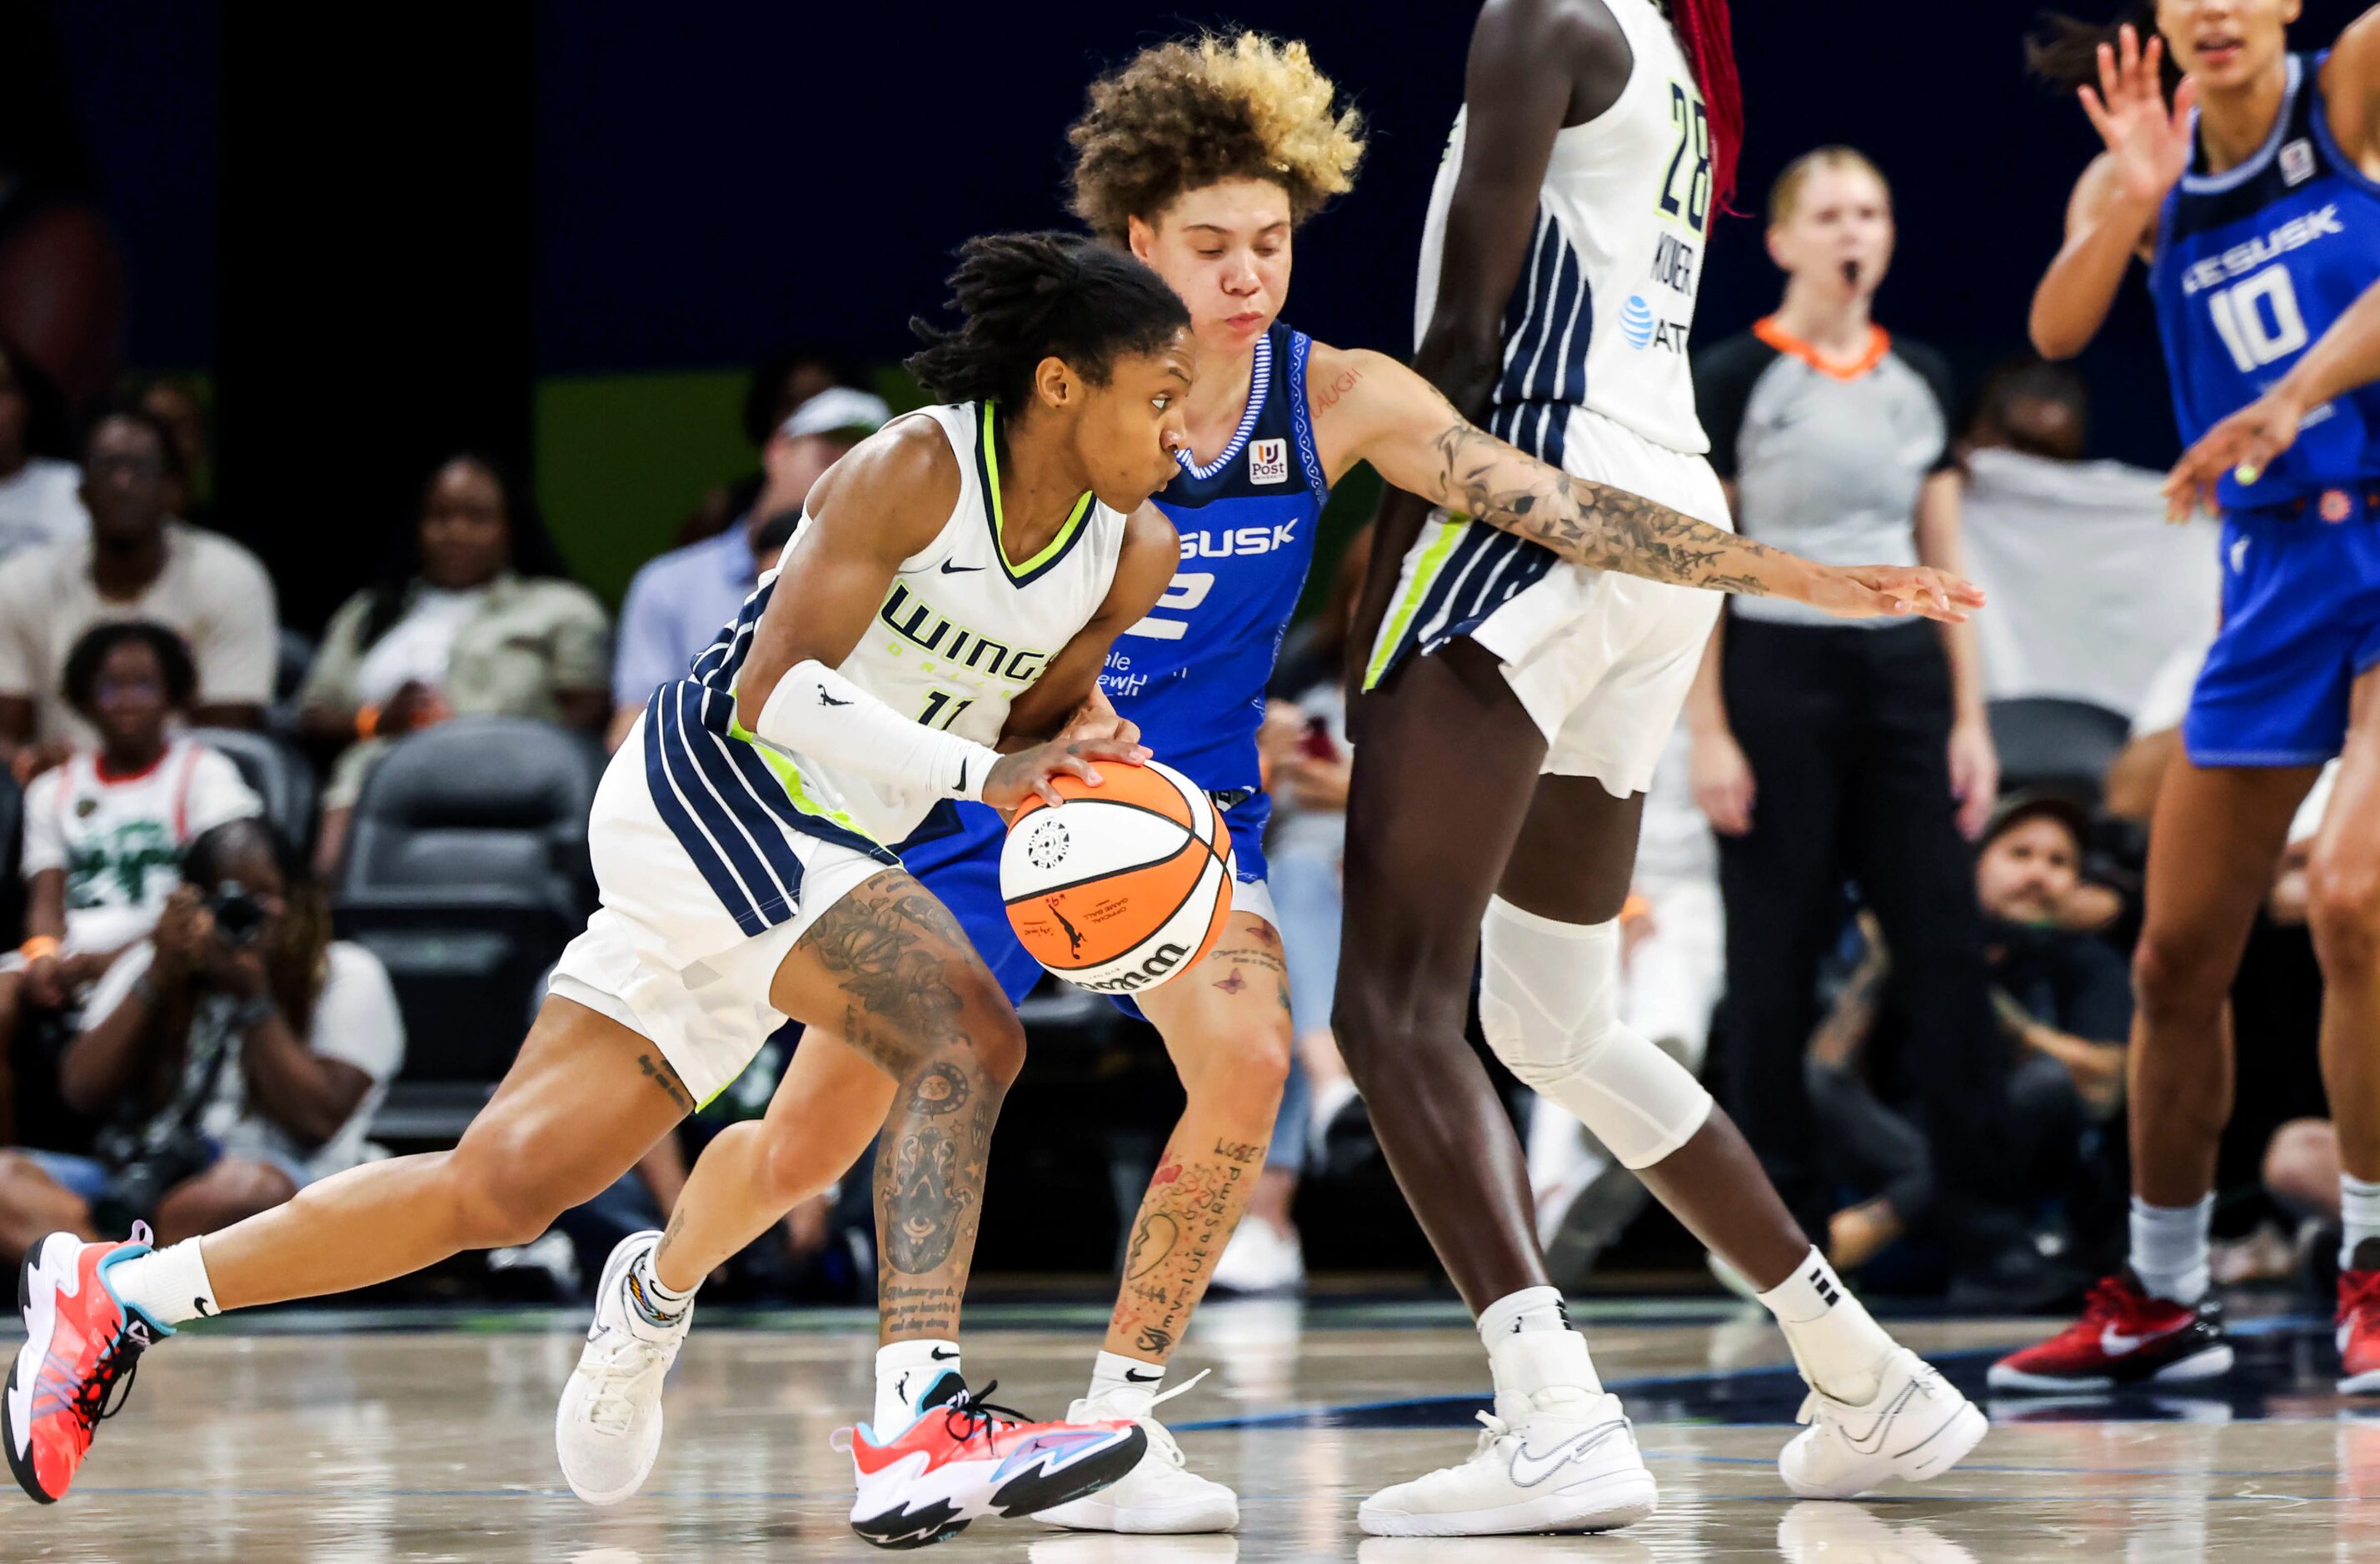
(1644, 329)
(1268, 461)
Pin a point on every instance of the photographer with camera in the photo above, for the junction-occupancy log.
(235, 1056)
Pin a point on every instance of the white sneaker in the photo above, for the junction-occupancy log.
(1917, 1426)
(1569, 1463)
(1160, 1495)
(608, 1430)
(1260, 1259)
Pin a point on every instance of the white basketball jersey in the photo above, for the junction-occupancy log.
(964, 630)
(1604, 302)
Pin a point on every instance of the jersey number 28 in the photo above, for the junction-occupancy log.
(1693, 138)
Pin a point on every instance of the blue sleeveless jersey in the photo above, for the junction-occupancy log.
(2252, 266)
(1192, 674)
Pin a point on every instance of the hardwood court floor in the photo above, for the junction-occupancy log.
(305, 1438)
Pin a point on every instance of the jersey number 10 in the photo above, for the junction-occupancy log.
(2240, 314)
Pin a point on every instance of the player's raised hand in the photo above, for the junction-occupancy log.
(1882, 591)
(2150, 143)
(2246, 442)
(1028, 772)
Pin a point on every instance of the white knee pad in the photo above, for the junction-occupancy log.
(1548, 1003)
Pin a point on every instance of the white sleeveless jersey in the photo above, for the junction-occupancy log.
(961, 632)
(1604, 302)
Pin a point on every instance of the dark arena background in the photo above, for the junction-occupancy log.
(583, 266)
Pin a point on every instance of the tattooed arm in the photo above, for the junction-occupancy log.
(1398, 421)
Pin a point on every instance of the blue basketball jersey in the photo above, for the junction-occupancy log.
(1192, 674)
(2252, 266)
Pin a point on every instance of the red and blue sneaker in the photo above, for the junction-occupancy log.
(80, 1343)
(965, 1459)
(2125, 1337)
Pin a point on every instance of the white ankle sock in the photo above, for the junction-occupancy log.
(1114, 1371)
(1837, 1343)
(653, 1308)
(169, 1286)
(1532, 1308)
(905, 1370)
(2358, 1215)
(2169, 1251)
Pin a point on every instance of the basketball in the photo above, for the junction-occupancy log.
(1124, 888)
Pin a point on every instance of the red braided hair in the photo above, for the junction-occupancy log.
(1709, 44)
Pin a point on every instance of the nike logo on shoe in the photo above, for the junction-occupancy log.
(1872, 1440)
(2116, 1344)
(1530, 1468)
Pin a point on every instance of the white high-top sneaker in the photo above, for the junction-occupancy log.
(1560, 1460)
(608, 1430)
(1160, 1495)
(1917, 1426)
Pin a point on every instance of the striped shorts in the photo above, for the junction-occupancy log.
(710, 877)
(1601, 662)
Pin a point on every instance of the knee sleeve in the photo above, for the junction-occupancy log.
(1548, 1004)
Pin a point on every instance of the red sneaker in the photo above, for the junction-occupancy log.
(2359, 1332)
(80, 1344)
(2125, 1337)
(964, 1457)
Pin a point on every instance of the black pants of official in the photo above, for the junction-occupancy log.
(1847, 732)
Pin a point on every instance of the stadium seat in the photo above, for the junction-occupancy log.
(12, 880)
(2046, 742)
(466, 873)
(279, 775)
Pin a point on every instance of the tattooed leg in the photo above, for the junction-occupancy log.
(889, 968)
(1226, 1023)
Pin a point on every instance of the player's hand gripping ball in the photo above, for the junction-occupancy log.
(1124, 888)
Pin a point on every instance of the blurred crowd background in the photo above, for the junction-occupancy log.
(371, 436)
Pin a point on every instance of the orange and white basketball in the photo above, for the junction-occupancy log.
(1125, 886)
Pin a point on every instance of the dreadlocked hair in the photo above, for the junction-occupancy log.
(1708, 36)
(1024, 298)
(1193, 113)
(2065, 53)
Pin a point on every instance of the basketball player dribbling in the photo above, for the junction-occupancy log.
(1532, 697)
(737, 839)
(1202, 159)
(2255, 198)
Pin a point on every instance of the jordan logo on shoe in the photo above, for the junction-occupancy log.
(1529, 1468)
(204, 1309)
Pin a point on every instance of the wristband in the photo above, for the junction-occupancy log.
(367, 721)
(816, 711)
(37, 947)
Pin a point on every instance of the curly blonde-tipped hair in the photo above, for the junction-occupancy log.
(1187, 114)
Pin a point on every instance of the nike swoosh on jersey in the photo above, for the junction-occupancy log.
(1529, 1468)
(950, 569)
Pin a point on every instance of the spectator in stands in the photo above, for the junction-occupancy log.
(236, 1056)
(39, 494)
(677, 603)
(478, 619)
(2062, 1005)
(104, 831)
(2062, 545)
(179, 402)
(138, 563)
(1828, 751)
(781, 383)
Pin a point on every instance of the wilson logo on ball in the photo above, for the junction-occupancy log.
(1142, 866)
